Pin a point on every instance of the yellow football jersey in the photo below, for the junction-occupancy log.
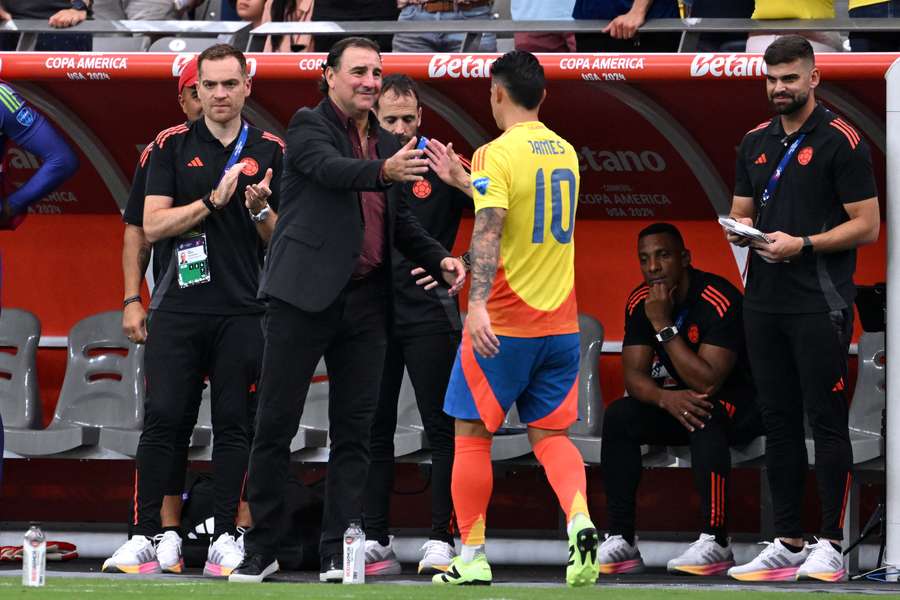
(532, 173)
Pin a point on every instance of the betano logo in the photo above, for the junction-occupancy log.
(733, 65)
(616, 161)
(445, 65)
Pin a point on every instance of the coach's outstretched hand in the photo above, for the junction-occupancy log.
(406, 164)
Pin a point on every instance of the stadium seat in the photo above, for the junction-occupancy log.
(313, 430)
(585, 433)
(868, 402)
(102, 391)
(183, 44)
(410, 434)
(20, 404)
(200, 445)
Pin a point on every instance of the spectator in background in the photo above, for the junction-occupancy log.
(541, 10)
(251, 10)
(821, 41)
(288, 11)
(866, 41)
(59, 13)
(142, 10)
(717, 9)
(626, 16)
(354, 10)
(442, 10)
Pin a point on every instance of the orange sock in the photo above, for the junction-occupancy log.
(565, 471)
(472, 483)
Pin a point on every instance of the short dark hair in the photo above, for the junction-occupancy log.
(662, 229)
(333, 59)
(219, 52)
(401, 84)
(788, 48)
(522, 75)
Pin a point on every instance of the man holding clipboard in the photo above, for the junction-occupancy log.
(804, 199)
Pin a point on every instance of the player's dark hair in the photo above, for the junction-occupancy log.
(333, 59)
(220, 52)
(401, 84)
(520, 73)
(789, 48)
(662, 228)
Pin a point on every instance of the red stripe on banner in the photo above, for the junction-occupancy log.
(844, 503)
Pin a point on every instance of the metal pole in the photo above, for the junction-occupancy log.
(892, 435)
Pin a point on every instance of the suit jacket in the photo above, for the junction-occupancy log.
(319, 234)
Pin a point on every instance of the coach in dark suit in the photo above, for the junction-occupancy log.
(328, 287)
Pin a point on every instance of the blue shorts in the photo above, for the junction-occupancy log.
(539, 374)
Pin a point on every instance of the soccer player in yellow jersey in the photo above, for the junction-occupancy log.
(521, 342)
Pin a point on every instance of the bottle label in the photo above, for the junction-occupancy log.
(354, 560)
(34, 563)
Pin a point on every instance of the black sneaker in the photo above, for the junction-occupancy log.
(332, 570)
(254, 569)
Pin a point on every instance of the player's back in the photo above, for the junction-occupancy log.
(532, 173)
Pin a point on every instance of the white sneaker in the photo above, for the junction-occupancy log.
(168, 552)
(774, 563)
(223, 556)
(137, 555)
(381, 560)
(618, 556)
(823, 563)
(703, 557)
(437, 556)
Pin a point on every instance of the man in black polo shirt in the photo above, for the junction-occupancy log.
(424, 337)
(136, 255)
(688, 383)
(805, 179)
(208, 210)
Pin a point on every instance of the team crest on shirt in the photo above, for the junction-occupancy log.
(25, 116)
(251, 167)
(421, 189)
(805, 155)
(694, 334)
(481, 184)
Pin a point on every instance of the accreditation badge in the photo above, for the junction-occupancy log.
(193, 261)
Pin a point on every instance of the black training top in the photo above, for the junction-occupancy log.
(187, 162)
(830, 168)
(438, 207)
(134, 208)
(711, 314)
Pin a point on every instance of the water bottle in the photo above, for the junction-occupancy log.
(34, 556)
(354, 553)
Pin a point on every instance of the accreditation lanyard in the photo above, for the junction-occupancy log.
(236, 153)
(779, 170)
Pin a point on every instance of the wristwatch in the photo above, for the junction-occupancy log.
(808, 248)
(666, 333)
(261, 215)
(82, 5)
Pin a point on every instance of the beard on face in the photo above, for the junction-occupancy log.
(795, 104)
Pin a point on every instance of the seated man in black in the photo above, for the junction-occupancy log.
(688, 383)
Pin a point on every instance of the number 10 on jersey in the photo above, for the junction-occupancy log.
(562, 234)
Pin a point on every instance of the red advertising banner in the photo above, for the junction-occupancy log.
(655, 134)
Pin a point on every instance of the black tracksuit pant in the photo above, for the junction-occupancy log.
(181, 349)
(799, 364)
(628, 423)
(351, 334)
(429, 360)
